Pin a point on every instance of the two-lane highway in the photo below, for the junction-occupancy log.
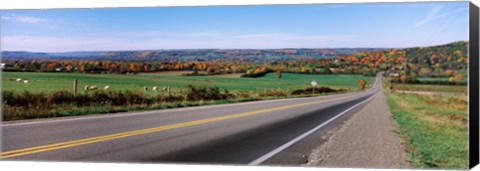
(242, 133)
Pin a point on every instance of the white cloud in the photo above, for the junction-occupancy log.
(24, 19)
(433, 15)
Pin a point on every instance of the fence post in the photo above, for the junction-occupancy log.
(75, 87)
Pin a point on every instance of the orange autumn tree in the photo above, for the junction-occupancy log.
(362, 83)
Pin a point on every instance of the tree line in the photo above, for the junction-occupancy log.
(448, 60)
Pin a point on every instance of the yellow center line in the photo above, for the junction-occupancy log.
(55, 146)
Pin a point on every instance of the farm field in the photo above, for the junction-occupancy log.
(432, 88)
(51, 94)
(48, 82)
(433, 79)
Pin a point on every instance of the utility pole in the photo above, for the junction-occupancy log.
(405, 72)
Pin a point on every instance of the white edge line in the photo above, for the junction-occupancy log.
(293, 141)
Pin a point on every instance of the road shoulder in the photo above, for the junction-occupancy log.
(367, 140)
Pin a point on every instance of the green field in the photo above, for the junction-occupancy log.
(50, 94)
(48, 82)
(433, 79)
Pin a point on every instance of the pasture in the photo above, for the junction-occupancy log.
(433, 78)
(432, 88)
(49, 82)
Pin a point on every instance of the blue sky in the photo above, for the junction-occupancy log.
(235, 27)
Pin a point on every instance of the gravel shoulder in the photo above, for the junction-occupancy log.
(367, 140)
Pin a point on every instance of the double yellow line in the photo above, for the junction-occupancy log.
(67, 144)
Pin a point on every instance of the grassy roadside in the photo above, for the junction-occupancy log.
(35, 107)
(435, 129)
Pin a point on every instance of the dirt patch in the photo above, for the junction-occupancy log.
(459, 118)
(9, 79)
(172, 73)
(235, 75)
(440, 119)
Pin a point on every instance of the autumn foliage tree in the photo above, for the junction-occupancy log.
(436, 61)
(362, 83)
(458, 78)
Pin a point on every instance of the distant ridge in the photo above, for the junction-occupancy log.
(188, 55)
(254, 55)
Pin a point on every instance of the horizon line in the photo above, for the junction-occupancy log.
(286, 48)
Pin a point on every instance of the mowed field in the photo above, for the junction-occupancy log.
(432, 88)
(48, 82)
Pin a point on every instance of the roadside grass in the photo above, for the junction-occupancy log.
(434, 127)
(69, 110)
(27, 105)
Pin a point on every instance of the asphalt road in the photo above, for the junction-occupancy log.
(243, 133)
